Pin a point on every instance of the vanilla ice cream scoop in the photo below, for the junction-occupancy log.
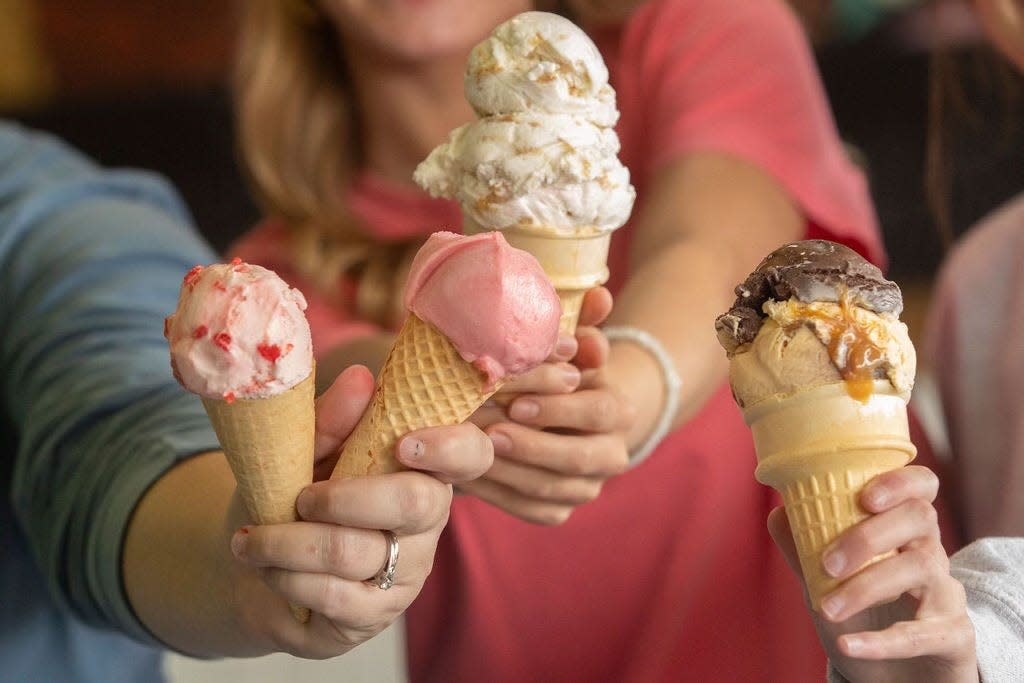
(540, 62)
(239, 332)
(812, 313)
(543, 154)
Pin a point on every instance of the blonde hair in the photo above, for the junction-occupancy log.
(298, 142)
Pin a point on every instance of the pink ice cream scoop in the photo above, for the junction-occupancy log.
(492, 301)
(239, 332)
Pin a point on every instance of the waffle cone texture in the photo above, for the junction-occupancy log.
(818, 448)
(424, 383)
(269, 446)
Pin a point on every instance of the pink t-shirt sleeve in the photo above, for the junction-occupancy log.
(738, 77)
(267, 245)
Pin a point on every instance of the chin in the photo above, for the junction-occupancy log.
(442, 28)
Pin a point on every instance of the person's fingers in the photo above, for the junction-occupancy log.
(339, 408)
(581, 455)
(452, 454)
(545, 485)
(593, 348)
(881, 533)
(405, 502)
(597, 305)
(889, 489)
(908, 639)
(546, 378)
(532, 510)
(341, 600)
(346, 552)
(588, 410)
(782, 534)
(489, 413)
(915, 570)
(565, 348)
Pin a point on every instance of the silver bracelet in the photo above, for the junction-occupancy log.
(650, 343)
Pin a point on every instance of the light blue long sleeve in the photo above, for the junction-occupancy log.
(90, 264)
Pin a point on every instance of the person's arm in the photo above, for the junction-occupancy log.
(707, 221)
(743, 157)
(739, 155)
(992, 573)
(90, 261)
(206, 583)
(90, 264)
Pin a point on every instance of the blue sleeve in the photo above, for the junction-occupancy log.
(90, 264)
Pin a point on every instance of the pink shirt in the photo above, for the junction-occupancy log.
(975, 348)
(670, 574)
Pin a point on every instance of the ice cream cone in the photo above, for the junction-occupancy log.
(574, 262)
(269, 446)
(424, 383)
(819, 448)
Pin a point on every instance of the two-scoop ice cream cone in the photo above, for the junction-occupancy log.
(239, 339)
(540, 162)
(822, 369)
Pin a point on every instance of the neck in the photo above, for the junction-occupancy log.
(405, 112)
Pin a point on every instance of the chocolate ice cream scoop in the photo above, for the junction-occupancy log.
(808, 271)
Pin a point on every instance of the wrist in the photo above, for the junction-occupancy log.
(648, 377)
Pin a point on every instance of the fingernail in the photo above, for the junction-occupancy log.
(502, 444)
(524, 409)
(304, 503)
(411, 450)
(832, 606)
(834, 562)
(571, 375)
(878, 496)
(239, 541)
(853, 644)
(566, 347)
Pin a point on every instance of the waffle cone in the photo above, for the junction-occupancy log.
(269, 446)
(573, 262)
(424, 383)
(818, 448)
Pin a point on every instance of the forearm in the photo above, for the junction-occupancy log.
(179, 573)
(684, 324)
(707, 221)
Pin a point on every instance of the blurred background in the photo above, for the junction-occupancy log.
(144, 84)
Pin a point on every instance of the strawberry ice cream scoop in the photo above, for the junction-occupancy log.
(492, 301)
(239, 332)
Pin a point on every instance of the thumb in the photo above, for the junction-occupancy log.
(339, 408)
(597, 304)
(778, 527)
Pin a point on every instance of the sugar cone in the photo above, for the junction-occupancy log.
(573, 262)
(819, 448)
(269, 446)
(424, 383)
